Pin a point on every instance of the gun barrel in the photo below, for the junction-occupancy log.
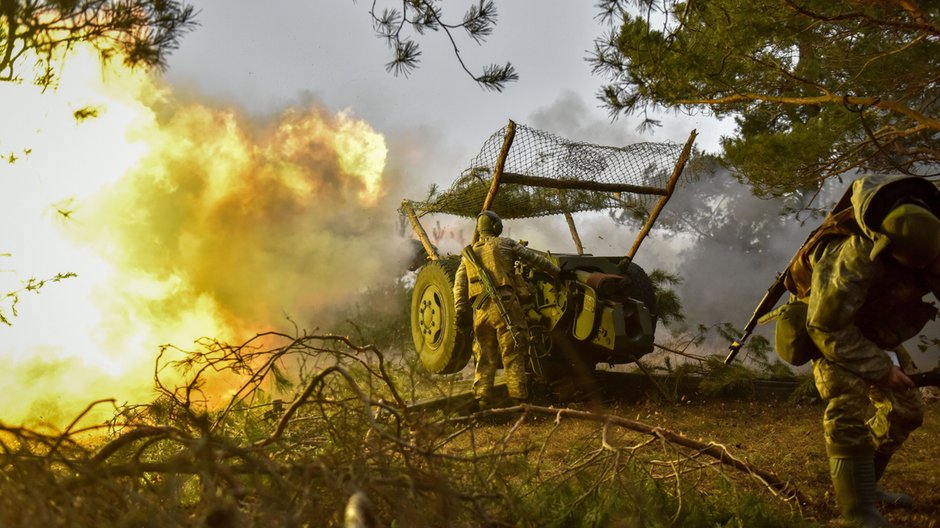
(766, 304)
(734, 349)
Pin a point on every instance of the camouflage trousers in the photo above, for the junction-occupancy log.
(494, 343)
(859, 417)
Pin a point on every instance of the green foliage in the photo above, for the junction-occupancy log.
(420, 16)
(632, 497)
(668, 305)
(144, 32)
(816, 88)
(380, 316)
(770, 159)
(719, 379)
(759, 350)
(749, 510)
(709, 375)
(10, 300)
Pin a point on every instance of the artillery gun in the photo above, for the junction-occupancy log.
(607, 313)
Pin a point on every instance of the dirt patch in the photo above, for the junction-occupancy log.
(788, 440)
(774, 435)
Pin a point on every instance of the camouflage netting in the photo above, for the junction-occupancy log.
(545, 175)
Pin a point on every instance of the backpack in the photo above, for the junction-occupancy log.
(791, 339)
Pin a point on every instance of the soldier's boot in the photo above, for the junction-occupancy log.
(482, 401)
(853, 479)
(889, 498)
(515, 402)
(469, 408)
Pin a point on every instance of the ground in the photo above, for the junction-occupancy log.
(787, 440)
(780, 437)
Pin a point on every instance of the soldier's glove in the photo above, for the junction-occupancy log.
(567, 275)
(896, 380)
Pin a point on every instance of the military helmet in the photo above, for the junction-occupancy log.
(489, 223)
(913, 235)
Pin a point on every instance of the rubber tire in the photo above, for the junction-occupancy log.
(642, 289)
(443, 345)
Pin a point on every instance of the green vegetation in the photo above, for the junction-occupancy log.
(283, 430)
(817, 89)
(300, 424)
(10, 299)
(35, 34)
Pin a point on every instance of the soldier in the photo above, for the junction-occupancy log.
(499, 325)
(866, 276)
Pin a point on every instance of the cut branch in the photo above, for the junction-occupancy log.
(714, 450)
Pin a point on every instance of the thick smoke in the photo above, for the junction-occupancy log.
(262, 221)
(738, 243)
(725, 244)
(181, 219)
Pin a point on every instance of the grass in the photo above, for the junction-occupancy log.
(786, 439)
(313, 420)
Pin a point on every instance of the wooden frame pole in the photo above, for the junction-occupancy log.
(680, 164)
(563, 202)
(419, 230)
(498, 170)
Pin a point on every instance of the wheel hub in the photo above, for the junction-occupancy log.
(431, 316)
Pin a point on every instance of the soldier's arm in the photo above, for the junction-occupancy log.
(842, 277)
(535, 259)
(461, 302)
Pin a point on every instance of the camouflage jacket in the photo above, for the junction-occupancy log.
(498, 255)
(861, 304)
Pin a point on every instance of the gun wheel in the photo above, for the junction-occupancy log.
(441, 347)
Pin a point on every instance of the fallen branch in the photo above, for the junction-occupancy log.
(714, 450)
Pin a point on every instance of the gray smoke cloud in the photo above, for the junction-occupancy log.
(261, 219)
(724, 243)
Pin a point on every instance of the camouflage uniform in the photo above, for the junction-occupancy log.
(861, 303)
(493, 339)
(859, 307)
(842, 278)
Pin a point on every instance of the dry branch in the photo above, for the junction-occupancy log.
(338, 431)
(714, 450)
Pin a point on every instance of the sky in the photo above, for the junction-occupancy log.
(264, 59)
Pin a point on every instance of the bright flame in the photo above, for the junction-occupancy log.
(181, 220)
